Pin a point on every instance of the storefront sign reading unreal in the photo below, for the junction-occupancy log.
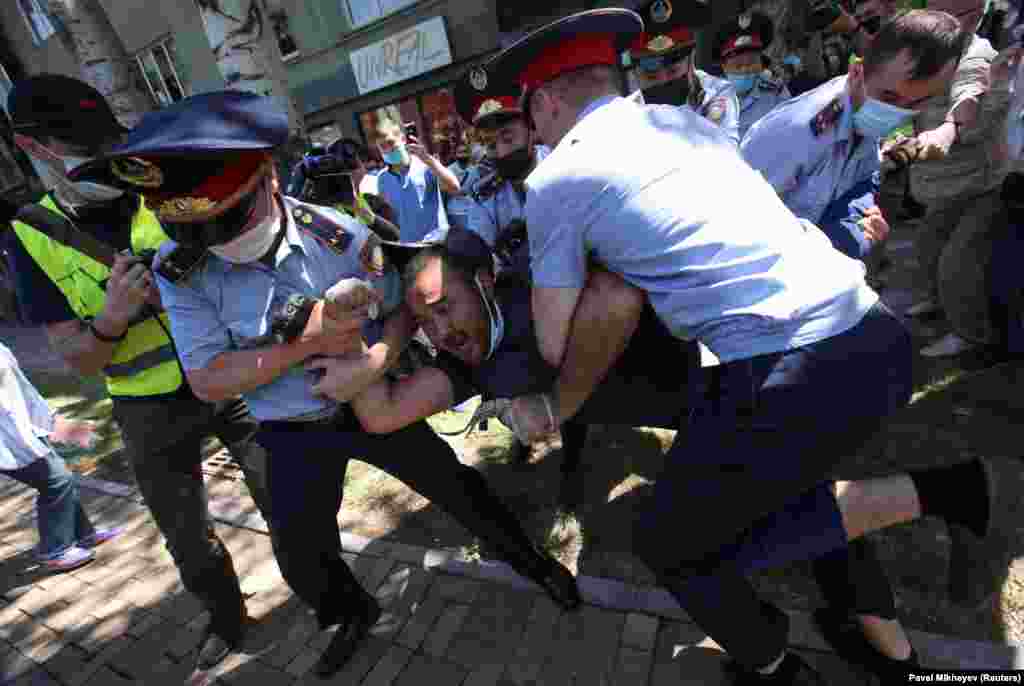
(416, 51)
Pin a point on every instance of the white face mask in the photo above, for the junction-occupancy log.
(53, 172)
(496, 320)
(252, 244)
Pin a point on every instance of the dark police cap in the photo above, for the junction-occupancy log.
(463, 246)
(745, 33)
(485, 102)
(62, 107)
(669, 26)
(586, 39)
(196, 158)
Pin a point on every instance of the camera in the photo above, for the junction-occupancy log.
(410, 131)
(328, 165)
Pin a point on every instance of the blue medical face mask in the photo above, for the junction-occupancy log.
(396, 156)
(744, 82)
(876, 119)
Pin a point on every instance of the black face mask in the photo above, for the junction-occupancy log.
(516, 164)
(672, 93)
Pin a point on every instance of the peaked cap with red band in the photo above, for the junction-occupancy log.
(483, 102)
(742, 34)
(586, 39)
(196, 158)
(669, 26)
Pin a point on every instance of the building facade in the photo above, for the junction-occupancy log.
(337, 66)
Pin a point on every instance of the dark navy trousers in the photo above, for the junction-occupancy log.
(305, 480)
(747, 483)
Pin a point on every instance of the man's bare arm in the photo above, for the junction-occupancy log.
(233, 373)
(390, 405)
(607, 316)
(347, 376)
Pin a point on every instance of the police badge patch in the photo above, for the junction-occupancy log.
(827, 118)
(716, 110)
(661, 11)
(371, 256)
(478, 78)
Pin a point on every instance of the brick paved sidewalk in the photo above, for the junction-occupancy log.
(125, 619)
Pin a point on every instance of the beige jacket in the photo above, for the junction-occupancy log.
(977, 161)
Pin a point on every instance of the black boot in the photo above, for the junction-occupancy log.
(222, 635)
(963, 495)
(362, 612)
(547, 572)
(846, 636)
(792, 672)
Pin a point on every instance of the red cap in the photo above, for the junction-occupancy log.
(741, 43)
(584, 50)
(647, 44)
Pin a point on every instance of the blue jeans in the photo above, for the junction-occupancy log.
(62, 521)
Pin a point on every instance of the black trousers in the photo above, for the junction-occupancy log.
(305, 477)
(746, 484)
(164, 438)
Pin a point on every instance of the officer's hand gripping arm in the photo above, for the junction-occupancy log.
(88, 347)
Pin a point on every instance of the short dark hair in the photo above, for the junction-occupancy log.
(933, 39)
(450, 264)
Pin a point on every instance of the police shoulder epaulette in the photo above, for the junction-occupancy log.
(827, 117)
(328, 231)
(177, 265)
(487, 187)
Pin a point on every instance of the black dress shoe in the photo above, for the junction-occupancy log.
(548, 573)
(972, 569)
(560, 585)
(792, 672)
(350, 634)
(976, 571)
(844, 633)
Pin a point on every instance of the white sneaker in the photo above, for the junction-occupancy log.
(947, 346)
(922, 308)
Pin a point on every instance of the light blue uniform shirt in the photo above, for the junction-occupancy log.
(488, 215)
(415, 196)
(460, 206)
(720, 104)
(732, 268)
(762, 99)
(25, 418)
(809, 170)
(223, 307)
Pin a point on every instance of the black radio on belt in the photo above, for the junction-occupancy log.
(510, 240)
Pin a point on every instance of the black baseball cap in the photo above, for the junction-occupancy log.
(62, 107)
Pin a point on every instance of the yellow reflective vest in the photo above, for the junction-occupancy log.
(144, 362)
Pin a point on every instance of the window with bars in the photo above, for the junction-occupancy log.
(38, 20)
(365, 11)
(158, 68)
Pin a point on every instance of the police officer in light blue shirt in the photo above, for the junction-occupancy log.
(662, 63)
(638, 189)
(413, 182)
(497, 211)
(738, 48)
(811, 150)
(244, 286)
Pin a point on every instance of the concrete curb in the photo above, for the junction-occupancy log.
(609, 594)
